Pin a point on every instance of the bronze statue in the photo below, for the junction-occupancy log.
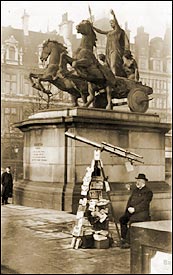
(117, 43)
(87, 66)
(88, 76)
(73, 85)
(84, 60)
(100, 76)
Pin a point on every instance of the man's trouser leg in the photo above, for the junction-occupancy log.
(123, 225)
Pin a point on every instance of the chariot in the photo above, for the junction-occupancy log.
(136, 93)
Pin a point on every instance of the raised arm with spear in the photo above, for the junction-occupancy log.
(117, 42)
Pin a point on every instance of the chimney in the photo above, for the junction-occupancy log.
(66, 27)
(25, 20)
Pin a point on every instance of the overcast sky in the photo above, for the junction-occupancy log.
(155, 16)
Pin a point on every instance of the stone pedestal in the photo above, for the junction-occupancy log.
(54, 165)
(148, 238)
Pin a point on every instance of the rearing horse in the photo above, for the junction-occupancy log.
(75, 86)
(86, 64)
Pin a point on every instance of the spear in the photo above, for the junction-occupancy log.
(90, 13)
(91, 20)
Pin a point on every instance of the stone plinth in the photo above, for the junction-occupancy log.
(54, 165)
(148, 238)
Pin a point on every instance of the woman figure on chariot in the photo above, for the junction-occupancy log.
(130, 66)
(117, 43)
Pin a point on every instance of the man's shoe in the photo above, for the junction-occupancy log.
(125, 246)
(123, 241)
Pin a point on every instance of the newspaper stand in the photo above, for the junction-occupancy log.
(92, 219)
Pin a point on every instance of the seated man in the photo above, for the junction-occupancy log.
(130, 66)
(137, 209)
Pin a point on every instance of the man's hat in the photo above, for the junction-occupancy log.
(141, 176)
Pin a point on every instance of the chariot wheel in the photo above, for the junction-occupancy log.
(138, 100)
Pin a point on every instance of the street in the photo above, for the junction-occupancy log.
(37, 241)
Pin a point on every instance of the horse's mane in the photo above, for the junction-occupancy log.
(60, 45)
(93, 34)
(94, 37)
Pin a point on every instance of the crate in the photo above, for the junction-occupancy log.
(87, 241)
(97, 178)
(103, 244)
(96, 185)
(95, 194)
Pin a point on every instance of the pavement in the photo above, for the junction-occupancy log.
(38, 241)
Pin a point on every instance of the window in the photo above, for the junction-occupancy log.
(150, 83)
(157, 84)
(7, 111)
(151, 103)
(158, 53)
(13, 110)
(161, 83)
(142, 64)
(7, 76)
(7, 87)
(26, 89)
(165, 85)
(164, 103)
(159, 104)
(10, 84)
(169, 86)
(10, 116)
(12, 53)
(168, 66)
(162, 90)
(13, 88)
(157, 65)
(153, 83)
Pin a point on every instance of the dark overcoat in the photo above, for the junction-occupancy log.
(7, 184)
(140, 199)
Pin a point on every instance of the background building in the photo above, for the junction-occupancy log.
(20, 55)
